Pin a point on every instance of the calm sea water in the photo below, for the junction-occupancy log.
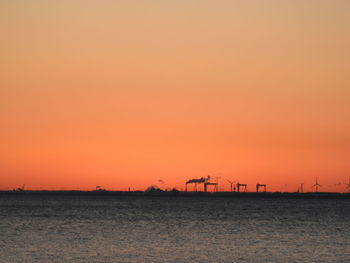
(172, 229)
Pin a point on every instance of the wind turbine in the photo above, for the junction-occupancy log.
(231, 183)
(302, 188)
(316, 185)
(348, 185)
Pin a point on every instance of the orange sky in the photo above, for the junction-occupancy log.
(124, 93)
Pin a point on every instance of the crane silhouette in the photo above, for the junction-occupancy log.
(260, 185)
(316, 185)
(241, 185)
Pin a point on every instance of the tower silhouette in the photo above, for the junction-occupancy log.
(316, 185)
(231, 184)
(301, 188)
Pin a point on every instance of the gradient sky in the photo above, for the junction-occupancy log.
(124, 93)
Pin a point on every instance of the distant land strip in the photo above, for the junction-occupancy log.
(308, 195)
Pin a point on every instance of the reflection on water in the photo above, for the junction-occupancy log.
(172, 229)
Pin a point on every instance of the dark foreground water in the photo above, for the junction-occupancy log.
(172, 229)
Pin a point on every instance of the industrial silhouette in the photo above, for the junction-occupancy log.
(232, 187)
(241, 185)
(195, 182)
(99, 188)
(205, 181)
(216, 188)
(316, 185)
(208, 184)
(260, 185)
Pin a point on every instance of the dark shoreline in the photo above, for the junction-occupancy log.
(311, 195)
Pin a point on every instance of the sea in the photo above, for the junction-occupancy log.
(86, 228)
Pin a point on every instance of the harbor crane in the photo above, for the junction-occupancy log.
(260, 185)
(209, 183)
(241, 185)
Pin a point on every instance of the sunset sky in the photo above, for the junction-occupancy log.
(125, 93)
